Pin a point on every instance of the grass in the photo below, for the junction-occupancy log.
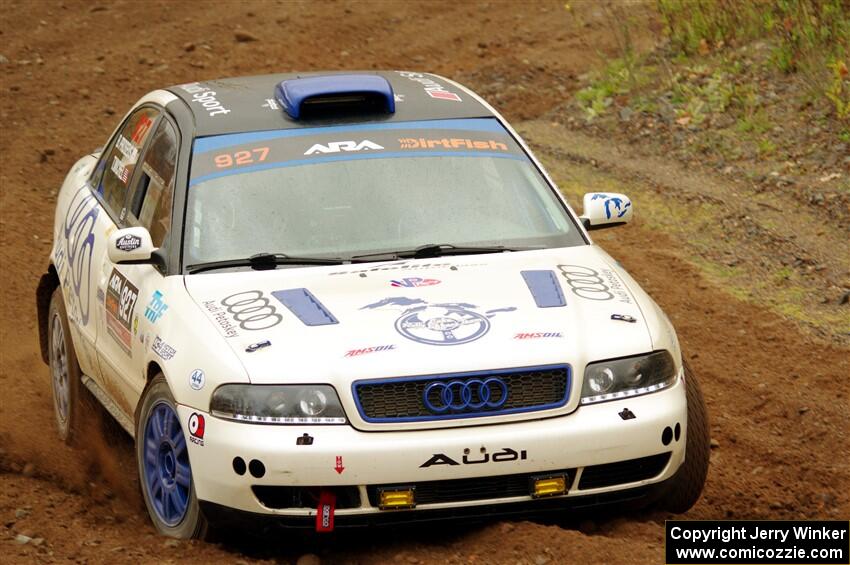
(780, 289)
(807, 38)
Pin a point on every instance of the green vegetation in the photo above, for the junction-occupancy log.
(780, 288)
(807, 38)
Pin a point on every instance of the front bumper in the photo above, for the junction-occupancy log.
(341, 456)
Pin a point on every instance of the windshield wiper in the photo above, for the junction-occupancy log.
(432, 250)
(262, 262)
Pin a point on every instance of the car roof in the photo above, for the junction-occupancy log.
(246, 104)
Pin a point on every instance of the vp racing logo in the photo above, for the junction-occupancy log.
(447, 323)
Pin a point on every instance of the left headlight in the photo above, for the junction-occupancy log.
(622, 378)
(278, 404)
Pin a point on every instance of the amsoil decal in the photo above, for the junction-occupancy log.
(413, 282)
(365, 350)
(196, 428)
(433, 88)
(538, 335)
(120, 302)
(205, 97)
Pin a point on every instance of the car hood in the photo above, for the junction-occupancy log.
(338, 324)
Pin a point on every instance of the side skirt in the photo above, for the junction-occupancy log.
(110, 405)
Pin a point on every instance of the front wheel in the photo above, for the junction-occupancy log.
(688, 482)
(164, 470)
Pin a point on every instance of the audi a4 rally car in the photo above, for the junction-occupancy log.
(336, 299)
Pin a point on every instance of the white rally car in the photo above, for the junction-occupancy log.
(351, 298)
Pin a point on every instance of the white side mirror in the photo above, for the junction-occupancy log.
(130, 245)
(605, 210)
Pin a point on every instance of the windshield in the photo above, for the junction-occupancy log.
(349, 190)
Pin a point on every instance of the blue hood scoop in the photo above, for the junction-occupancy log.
(318, 96)
(305, 306)
(544, 288)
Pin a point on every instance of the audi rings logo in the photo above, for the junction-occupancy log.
(586, 282)
(458, 396)
(252, 310)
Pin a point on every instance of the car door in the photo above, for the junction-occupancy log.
(90, 215)
(133, 301)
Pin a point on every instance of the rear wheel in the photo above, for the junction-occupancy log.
(164, 470)
(65, 372)
(688, 482)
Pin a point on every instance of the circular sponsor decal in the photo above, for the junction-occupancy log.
(441, 325)
(196, 425)
(197, 379)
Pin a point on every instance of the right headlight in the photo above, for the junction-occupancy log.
(631, 376)
(278, 404)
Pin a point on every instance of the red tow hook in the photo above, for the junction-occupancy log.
(325, 511)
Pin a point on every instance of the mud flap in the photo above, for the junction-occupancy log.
(325, 511)
(46, 285)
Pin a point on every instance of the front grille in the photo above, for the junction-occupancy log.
(403, 399)
(304, 497)
(478, 488)
(622, 472)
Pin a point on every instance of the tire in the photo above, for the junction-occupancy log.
(165, 474)
(688, 482)
(65, 373)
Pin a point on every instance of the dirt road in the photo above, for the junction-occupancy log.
(777, 392)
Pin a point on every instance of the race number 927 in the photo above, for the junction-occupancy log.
(226, 160)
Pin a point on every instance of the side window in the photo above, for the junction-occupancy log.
(118, 162)
(150, 203)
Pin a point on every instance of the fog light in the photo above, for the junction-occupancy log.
(548, 486)
(389, 499)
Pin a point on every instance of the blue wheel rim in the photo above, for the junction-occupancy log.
(168, 476)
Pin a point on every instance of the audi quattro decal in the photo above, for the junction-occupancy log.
(250, 311)
(446, 323)
(591, 284)
(120, 302)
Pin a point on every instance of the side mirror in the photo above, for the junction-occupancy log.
(605, 210)
(132, 246)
